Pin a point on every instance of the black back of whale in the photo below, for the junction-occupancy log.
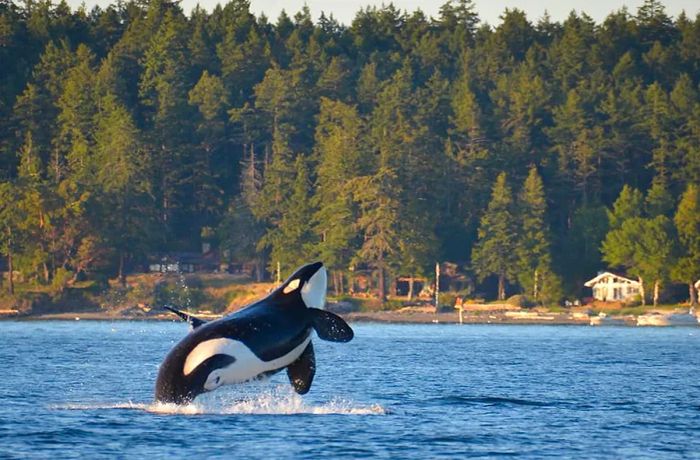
(270, 328)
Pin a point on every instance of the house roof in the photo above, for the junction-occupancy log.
(594, 281)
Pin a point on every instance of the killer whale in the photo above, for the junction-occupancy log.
(263, 338)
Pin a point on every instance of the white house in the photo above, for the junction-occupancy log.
(610, 287)
(697, 287)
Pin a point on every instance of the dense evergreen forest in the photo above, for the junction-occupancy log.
(532, 153)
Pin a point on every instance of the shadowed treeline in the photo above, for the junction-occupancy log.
(387, 145)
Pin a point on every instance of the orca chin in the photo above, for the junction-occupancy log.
(314, 291)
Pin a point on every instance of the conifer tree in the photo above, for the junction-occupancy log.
(495, 251)
(687, 222)
(377, 222)
(127, 221)
(290, 240)
(659, 201)
(535, 273)
(163, 89)
(339, 149)
(73, 144)
(629, 204)
(10, 232)
(193, 109)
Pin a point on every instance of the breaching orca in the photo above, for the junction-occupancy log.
(260, 339)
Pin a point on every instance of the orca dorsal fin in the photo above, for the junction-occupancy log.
(330, 326)
(193, 320)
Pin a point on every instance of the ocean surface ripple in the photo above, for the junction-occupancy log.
(85, 390)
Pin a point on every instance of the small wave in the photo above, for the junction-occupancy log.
(271, 403)
(495, 401)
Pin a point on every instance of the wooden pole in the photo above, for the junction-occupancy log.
(437, 287)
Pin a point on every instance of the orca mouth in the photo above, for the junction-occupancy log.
(314, 290)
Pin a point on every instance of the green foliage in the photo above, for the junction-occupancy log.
(659, 201)
(126, 131)
(495, 251)
(535, 272)
(629, 205)
(340, 155)
(521, 301)
(290, 239)
(687, 222)
(60, 281)
(180, 294)
(646, 248)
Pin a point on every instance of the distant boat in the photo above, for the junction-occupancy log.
(668, 319)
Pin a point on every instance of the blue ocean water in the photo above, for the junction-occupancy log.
(84, 390)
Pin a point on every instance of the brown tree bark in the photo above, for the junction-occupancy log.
(693, 295)
(10, 266)
(121, 276)
(380, 284)
(656, 293)
(501, 287)
(641, 291)
(336, 283)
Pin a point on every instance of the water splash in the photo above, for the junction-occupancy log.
(184, 291)
(272, 402)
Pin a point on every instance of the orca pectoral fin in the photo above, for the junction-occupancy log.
(301, 372)
(193, 320)
(330, 326)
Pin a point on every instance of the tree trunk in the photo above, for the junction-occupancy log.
(535, 288)
(656, 293)
(693, 295)
(641, 291)
(10, 266)
(336, 283)
(381, 285)
(501, 287)
(341, 278)
(410, 289)
(258, 270)
(121, 275)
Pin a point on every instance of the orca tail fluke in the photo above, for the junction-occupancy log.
(193, 320)
(330, 326)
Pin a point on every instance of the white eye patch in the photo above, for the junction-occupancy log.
(291, 286)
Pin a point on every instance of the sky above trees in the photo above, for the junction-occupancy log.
(489, 10)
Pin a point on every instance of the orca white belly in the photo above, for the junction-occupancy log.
(247, 365)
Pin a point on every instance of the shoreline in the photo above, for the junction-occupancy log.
(389, 317)
(406, 315)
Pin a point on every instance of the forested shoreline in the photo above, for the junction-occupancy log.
(532, 153)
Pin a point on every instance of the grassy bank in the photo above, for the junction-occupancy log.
(216, 294)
